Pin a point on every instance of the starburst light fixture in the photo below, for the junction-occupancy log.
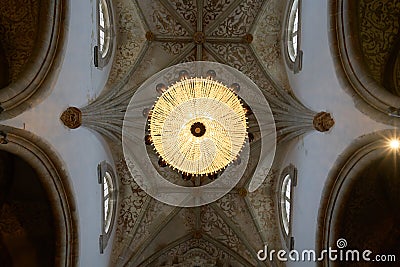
(394, 144)
(198, 126)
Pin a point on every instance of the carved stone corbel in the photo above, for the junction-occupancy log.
(72, 117)
(323, 121)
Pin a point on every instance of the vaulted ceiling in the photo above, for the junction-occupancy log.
(242, 34)
(152, 35)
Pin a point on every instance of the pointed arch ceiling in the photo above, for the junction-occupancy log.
(241, 34)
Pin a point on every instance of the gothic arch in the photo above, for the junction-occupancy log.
(360, 56)
(33, 40)
(55, 181)
(342, 189)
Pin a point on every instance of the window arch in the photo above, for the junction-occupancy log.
(361, 163)
(287, 182)
(286, 202)
(107, 180)
(292, 36)
(292, 29)
(104, 33)
(108, 188)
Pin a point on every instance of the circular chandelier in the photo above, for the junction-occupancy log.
(198, 126)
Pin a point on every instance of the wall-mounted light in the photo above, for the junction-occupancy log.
(394, 144)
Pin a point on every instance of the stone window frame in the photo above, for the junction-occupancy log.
(289, 174)
(106, 175)
(105, 32)
(294, 62)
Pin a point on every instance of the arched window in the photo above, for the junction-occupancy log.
(292, 29)
(286, 202)
(107, 180)
(104, 34)
(108, 188)
(287, 182)
(294, 55)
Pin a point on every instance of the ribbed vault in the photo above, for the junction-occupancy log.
(244, 35)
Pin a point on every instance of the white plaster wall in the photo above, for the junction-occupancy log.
(315, 153)
(80, 149)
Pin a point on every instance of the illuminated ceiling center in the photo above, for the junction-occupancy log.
(198, 126)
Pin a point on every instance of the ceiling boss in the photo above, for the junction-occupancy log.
(198, 126)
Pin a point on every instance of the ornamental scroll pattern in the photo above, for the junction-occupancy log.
(19, 23)
(189, 58)
(214, 8)
(214, 225)
(131, 204)
(188, 217)
(173, 48)
(135, 228)
(379, 29)
(237, 23)
(130, 40)
(165, 23)
(262, 202)
(156, 213)
(235, 208)
(267, 41)
(192, 57)
(187, 9)
(239, 56)
(190, 252)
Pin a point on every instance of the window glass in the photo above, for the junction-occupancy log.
(107, 201)
(292, 31)
(285, 202)
(104, 28)
(109, 195)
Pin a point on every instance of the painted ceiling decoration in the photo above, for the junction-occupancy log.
(256, 133)
(151, 36)
(146, 226)
(18, 33)
(379, 33)
(366, 51)
(31, 47)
